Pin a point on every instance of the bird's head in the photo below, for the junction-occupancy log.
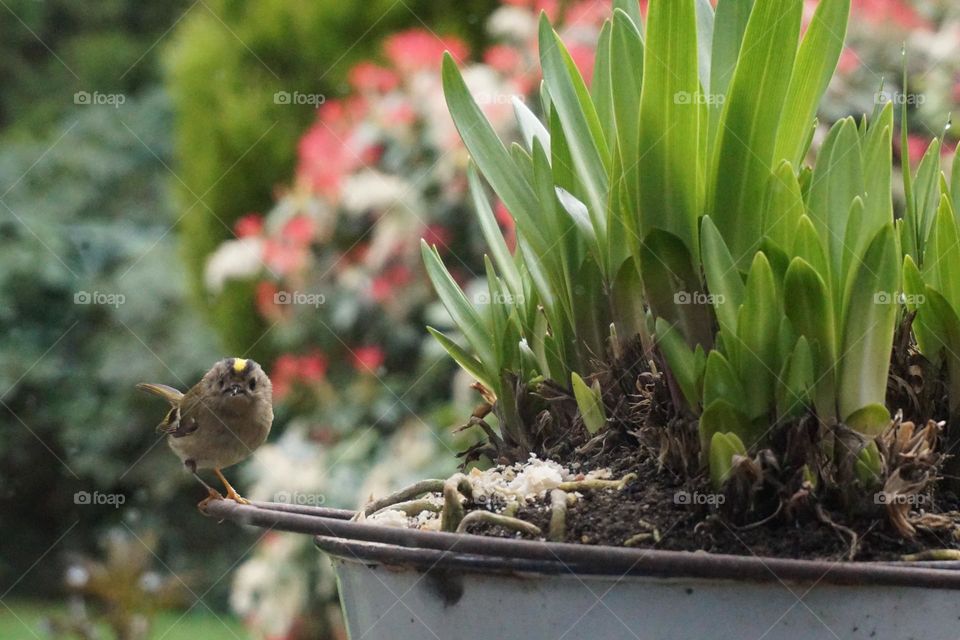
(238, 381)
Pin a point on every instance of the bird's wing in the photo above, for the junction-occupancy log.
(173, 423)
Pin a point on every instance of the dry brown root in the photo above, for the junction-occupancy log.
(558, 516)
(413, 491)
(597, 484)
(514, 524)
(854, 543)
(932, 555)
(411, 507)
(457, 486)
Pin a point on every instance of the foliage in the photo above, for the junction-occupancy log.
(228, 63)
(55, 48)
(91, 304)
(771, 288)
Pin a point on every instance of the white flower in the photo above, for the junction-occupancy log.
(233, 260)
(513, 23)
(370, 189)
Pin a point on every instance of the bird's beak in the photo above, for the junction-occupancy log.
(235, 390)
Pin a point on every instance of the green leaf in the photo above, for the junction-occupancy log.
(530, 126)
(720, 381)
(673, 287)
(723, 277)
(810, 309)
(492, 234)
(631, 9)
(808, 245)
(796, 381)
(942, 262)
(730, 23)
(580, 122)
(870, 315)
(747, 135)
(681, 361)
(816, 62)
(723, 417)
(723, 447)
(590, 403)
(485, 147)
(783, 206)
(869, 420)
(601, 88)
(837, 180)
(869, 465)
(465, 317)
(470, 364)
(757, 325)
(670, 189)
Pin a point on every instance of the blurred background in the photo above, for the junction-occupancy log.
(186, 180)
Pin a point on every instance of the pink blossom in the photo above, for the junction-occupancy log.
(248, 225)
(418, 49)
(849, 61)
(503, 58)
(896, 12)
(392, 278)
(583, 56)
(368, 359)
(299, 230)
(367, 76)
(265, 300)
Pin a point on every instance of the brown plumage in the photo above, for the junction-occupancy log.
(220, 421)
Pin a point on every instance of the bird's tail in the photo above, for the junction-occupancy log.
(169, 394)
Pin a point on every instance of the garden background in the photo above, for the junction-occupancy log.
(189, 180)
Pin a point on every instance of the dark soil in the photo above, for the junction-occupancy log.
(659, 498)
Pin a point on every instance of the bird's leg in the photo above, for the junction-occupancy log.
(231, 492)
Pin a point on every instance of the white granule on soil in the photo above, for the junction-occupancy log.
(520, 482)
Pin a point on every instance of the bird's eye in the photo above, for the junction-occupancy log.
(222, 382)
(253, 384)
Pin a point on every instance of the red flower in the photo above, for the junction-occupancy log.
(418, 49)
(367, 76)
(917, 146)
(289, 370)
(265, 299)
(313, 367)
(283, 257)
(437, 235)
(849, 61)
(368, 359)
(248, 225)
(583, 56)
(507, 224)
(391, 279)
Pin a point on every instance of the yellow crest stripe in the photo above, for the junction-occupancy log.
(239, 364)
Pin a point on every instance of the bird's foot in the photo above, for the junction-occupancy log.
(212, 495)
(236, 497)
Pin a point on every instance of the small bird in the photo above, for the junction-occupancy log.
(220, 421)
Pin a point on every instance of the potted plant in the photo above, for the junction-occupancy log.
(702, 342)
